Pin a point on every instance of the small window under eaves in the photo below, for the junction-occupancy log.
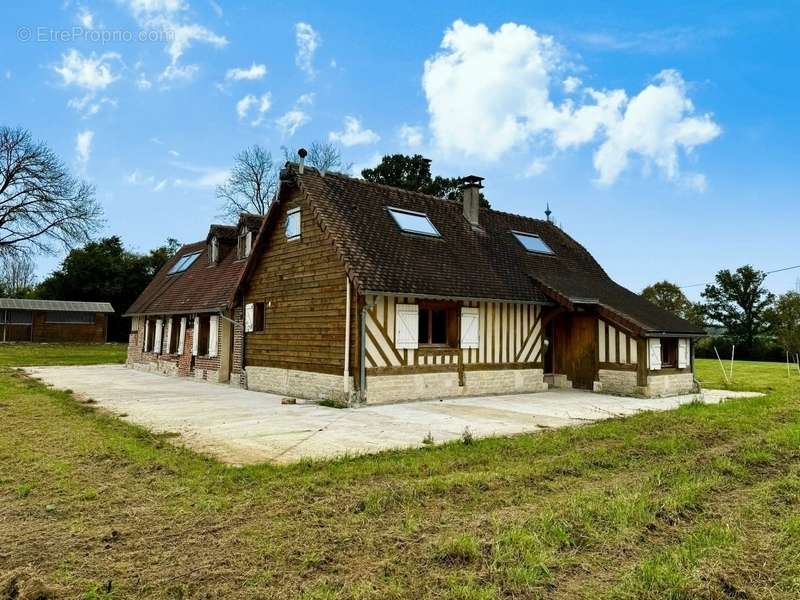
(414, 222)
(532, 242)
(184, 262)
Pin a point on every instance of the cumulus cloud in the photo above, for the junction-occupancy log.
(83, 147)
(170, 17)
(410, 135)
(261, 104)
(489, 92)
(353, 133)
(143, 83)
(91, 72)
(250, 74)
(86, 18)
(291, 121)
(307, 40)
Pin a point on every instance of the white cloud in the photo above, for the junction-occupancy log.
(174, 153)
(169, 17)
(83, 147)
(143, 83)
(243, 105)
(571, 84)
(250, 74)
(307, 41)
(489, 93)
(411, 135)
(86, 18)
(135, 177)
(368, 163)
(90, 72)
(160, 185)
(536, 167)
(305, 99)
(290, 121)
(88, 106)
(216, 8)
(353, 134)
(261, 104)
(202, 177)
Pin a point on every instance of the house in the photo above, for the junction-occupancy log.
(355, 289)
(184, 322)
(24, 320)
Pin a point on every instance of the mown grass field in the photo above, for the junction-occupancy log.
(31, 354)
(700, 502)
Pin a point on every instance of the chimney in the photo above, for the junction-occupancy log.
(471, 196)
(302, 153)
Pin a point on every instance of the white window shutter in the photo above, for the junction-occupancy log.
(213, 337)
(195, 336)
(248, 243)
(406, 326)
(168, 335)
(654, 354)
(683, 353)
(146, 332)
(249, 310)
(469, 327)
(182, 335)
(158, 338)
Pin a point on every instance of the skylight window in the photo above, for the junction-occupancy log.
(532, 242)
(414, 222)
(184, 262)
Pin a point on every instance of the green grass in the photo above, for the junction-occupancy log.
(25, 354)
(699, 502)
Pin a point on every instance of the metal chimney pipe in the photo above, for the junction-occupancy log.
(302, 153)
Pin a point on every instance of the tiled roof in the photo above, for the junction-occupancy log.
(55, 305)
(485, 263)
(201, 288)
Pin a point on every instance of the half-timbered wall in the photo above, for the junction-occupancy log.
(615, 346)
(507, 334)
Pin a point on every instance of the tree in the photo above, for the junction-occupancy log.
(670, 297)
(104, 271)
(738, 302)
(250, 186)
(413, 173)
(17, 275)
(785, 320)
(42, 206)
(323, 156)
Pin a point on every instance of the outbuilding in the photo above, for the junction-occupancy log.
(27, 320)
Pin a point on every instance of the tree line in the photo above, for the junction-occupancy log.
(736, 309)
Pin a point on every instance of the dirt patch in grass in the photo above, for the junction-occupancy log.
(700, 502)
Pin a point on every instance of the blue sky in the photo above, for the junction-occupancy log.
(663, 137)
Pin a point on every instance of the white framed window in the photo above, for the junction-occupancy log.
(532, 242)
(406, 325)
(293, 224)
(414, 222)
(470, 330)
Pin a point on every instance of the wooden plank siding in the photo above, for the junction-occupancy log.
(616, 348)
(302, 283)
(509, 334)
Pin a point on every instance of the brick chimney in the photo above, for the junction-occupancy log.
(471, 198)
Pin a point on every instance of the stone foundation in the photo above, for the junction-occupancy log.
(671, 384)
(385, 389)
(300, 384)
(558, 380)
(624, 383)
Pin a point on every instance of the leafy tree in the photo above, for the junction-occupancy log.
(17, 275)
(42, 206)
(104, 271)
(785, 320)
(738, 302)
(669, 296)
(250, 186)
(414, 173)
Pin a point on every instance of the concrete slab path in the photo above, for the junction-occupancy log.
(245, 427)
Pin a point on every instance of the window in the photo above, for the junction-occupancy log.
(438, 325)
(669, 353)
(293, 224)
(66, 317)
(255, 317)
(184, 262)
(203, 324)
(149, 335)
(16, 317)
(532, 242)
(414, 222)
(213, 253)
(173, 331)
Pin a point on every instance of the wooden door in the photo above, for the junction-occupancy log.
(574, 347)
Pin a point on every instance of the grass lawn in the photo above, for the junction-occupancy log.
(699, 502)
(27, 354)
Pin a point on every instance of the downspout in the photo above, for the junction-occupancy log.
(347, 341)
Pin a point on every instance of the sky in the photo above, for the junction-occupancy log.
(662, 135)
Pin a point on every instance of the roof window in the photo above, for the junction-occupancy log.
(532, 242)
(414, 222)
(184, 262)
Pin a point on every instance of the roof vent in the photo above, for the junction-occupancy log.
(302, 153)
(471, 198)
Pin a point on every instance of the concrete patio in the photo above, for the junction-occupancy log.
(244, 427)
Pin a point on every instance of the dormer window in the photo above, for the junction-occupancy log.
(245, 242)
(213, 251)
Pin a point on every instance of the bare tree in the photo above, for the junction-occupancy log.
(251, 184)
(42, 206)
(321, 155)
(17, 274)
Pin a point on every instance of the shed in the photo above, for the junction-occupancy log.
(28, 320)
